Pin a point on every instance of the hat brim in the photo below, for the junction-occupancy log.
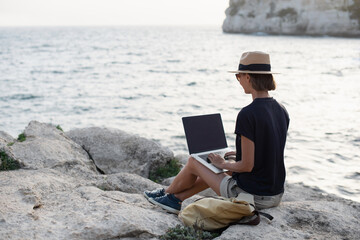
(254, 72)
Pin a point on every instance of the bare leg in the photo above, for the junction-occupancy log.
(194, 178)
(199, 186)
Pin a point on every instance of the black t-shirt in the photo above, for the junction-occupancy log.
(265, 122)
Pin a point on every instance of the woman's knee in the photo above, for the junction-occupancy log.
(192, 166)
(192, 162)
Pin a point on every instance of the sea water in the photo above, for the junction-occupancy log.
(143, 80)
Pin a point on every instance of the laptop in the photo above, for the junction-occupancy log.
(204, 135)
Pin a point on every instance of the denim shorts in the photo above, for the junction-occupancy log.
(229, 188)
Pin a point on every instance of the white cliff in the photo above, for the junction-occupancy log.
(294, 17)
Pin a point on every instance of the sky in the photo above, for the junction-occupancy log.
(111, 12)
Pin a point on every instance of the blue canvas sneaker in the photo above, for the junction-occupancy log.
(168, 202)
(159, 192)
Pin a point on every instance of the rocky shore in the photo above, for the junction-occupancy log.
(296, 17)
(88, 183)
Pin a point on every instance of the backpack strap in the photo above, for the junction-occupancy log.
(268, 216)
(252, 220)
(255, 219)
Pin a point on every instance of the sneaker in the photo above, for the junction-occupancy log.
(168, 202)
(159, 192)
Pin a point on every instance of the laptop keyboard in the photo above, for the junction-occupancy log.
(204, 156)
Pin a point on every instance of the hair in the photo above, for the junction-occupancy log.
(262, 82)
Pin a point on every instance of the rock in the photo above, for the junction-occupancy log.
(125, 182)
(48, 204)
(300, 17)
(5, 139)
(60, 196)
(47, 147)
(304, 213)
(116, 151)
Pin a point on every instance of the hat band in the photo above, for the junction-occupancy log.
(255, 67)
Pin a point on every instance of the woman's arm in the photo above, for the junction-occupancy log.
(247, 158)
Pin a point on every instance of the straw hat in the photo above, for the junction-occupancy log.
(254, 62)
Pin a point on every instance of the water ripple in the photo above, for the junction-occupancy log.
(22, 97)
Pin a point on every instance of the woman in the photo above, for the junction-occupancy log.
(258, 169)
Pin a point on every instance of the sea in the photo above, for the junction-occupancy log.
(144, 79)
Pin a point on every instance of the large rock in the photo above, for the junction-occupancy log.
(47, 147)
(58, 194)
(116, 151)
(48, 204)
(304, 17)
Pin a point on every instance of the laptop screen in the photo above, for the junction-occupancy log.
(204, 133)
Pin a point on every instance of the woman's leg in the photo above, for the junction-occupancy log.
(198, 186)
(194, 178)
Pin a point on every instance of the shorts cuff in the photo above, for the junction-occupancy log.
(224, 186)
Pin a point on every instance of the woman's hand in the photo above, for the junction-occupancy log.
(216, 160)
(230, 155)
(247, 158)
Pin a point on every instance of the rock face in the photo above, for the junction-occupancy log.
(305, 213)
(294, 17)
(47, 147)
(115, 151)
(59, 194)
(48, 204)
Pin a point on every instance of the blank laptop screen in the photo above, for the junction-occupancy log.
(204, 133)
